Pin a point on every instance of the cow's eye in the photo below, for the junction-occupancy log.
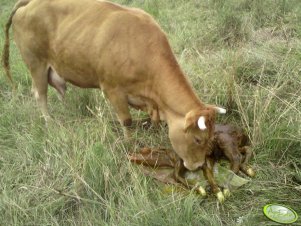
(197, 141)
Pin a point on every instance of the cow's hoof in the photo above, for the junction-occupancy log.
(226, 192)
(220, 197)
(251, 172)
(201, 191)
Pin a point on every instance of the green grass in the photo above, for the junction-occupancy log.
(243, 54)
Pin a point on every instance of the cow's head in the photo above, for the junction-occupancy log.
(191, 136)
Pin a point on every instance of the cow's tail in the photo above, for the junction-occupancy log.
(5, 55)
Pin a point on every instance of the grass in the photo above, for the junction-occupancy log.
(242, 54)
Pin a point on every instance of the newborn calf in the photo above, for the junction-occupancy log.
(232, 143)
(229, 142)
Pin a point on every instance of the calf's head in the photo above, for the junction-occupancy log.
(191, 136)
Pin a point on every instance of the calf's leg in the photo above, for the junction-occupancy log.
(208, 173)
(179, 172)
(234, 156)
(230, 150)
(246, 150)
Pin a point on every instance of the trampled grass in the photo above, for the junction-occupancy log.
(242, 54)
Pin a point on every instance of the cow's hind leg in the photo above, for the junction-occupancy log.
(37, 64)
(119, 101)
(39, 73)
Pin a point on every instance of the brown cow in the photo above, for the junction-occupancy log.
(123, 51)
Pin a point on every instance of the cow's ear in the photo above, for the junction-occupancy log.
(194, 120)
(190, 121)
(200, 119)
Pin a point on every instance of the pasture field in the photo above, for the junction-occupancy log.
(244, 55)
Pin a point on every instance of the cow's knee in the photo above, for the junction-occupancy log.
(119, 102)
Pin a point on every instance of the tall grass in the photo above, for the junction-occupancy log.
(243, 54)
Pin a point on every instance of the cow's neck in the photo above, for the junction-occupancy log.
(174, 95)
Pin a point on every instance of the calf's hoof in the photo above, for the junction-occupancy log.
(226, 193)
(250, 172)
(220, 197)
(201, 191)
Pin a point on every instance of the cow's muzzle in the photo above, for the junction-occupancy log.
(193, 167)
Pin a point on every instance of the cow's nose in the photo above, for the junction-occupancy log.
(185, 165)
(193, 167)
(199, 167)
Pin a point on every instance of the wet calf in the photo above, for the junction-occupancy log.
(232, 143)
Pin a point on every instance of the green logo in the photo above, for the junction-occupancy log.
(280, 214)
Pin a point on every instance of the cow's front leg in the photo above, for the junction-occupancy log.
(208, 173)
(154, 115)
(118, 99)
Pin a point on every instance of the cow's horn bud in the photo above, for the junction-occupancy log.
(201, 123)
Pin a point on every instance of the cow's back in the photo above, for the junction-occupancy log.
(91, 42)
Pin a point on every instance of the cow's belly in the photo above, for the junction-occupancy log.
(148, 106)
(77, 76)
(137, 102)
